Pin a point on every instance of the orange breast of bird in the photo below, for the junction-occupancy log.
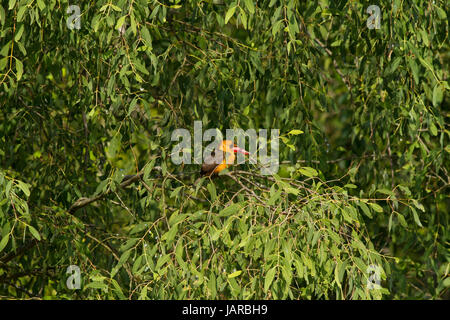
(227, 161)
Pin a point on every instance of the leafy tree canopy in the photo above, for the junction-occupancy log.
(362, 189)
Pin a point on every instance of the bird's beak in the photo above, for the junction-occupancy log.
(239, 150)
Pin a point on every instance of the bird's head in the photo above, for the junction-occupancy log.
(229, 147)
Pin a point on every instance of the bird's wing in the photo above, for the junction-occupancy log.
(209, 164)
(208, 168)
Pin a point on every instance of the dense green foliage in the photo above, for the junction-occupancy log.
(364, 177)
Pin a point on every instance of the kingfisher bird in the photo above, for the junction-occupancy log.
(212, 166)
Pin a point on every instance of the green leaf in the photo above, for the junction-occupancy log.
(229, 14)
(216, 234)
(3, 63)
(177, 218)
(416, 217)
(308, 171)
(441, 13)
(424, 36)
(175, 192)
(19, 69)
(243, 17)
(336, 43)
(269, 278)
(20, 13)
(231, 209)
(418, 205)
(212, 286)
(24, 187)
(414, 69)
(235, 288)
(140, 67)
(4, 242)
(34, 232)
(124, 257)
(148, 169)
(116, 8)
(120, 22)
(386, 191)
(291, 146)
(101, 187)
(11, 5)
(276, 195)
(2, 15)
(426, 65)
(446, 282)
(250, 6)
(360, 264)
(286, 271)
(179, 254)
(137, 264)
(5, 49)
(212, 191)
(118, 289)
(276, 27)
(437, 95)
(19, 33)
(365, 209)
(234, 274)
(133, 23)
(292, 190)
(295, 132)
(96, 285)
(433, 129)
(170, 235)
(346, 213)
(394, 65)
(8, 188)
(128, 244)
(146, 35)
(143, 294)
(41, 4)
(402, 220)
(162, 261)
(376, 207)
(337, 272)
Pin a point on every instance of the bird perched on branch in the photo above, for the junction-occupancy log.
(213, 164)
